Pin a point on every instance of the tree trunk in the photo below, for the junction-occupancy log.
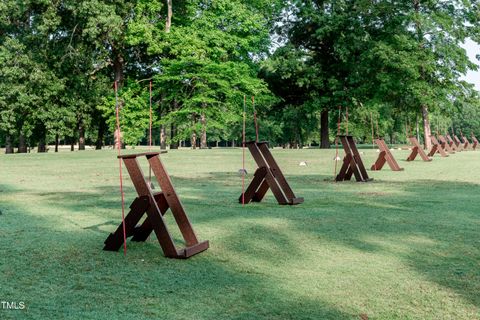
(426, 128)
(42, 146)
(203, 138)
(100, 135)
(42, 135)
(173, 134)
(194, 140)
(81, 137)
(118, 64)
(324, 134)
(168, 24)
(8, 144)
(163, 138)
(22, 144)
(57, 142)
(72, 144)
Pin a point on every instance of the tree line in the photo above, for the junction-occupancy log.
(394, 68)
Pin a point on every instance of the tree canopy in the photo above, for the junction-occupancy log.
(394, 63)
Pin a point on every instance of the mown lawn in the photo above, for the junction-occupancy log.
(405, 246)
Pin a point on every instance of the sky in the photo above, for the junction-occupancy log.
(473, 49)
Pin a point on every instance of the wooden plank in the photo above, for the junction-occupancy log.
(445, 145)
(437, 146)
(137, 155)
(137, 209)
(143, 231)
(164, 237)
(261, 191)
(137, 177)
(458, 143)
(257, 181)
(358, 159)
(173, 201)
(276, 171)
(276, 188)
(385, 156)
(417, 150)
(380, 162)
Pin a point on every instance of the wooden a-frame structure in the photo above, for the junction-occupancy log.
(417, 150)
(475, 142)
(466, 143)
(155, 205)
(451, 143)
(267, 176)
(352, 162)
(458, 143)
(436, 148)
(385, 156)
(445, 145)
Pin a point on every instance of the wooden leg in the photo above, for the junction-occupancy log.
(413, 155)
(261, 191)
(254, 185)
(276, 188)
(143, 231)
(173, 201)
(163, 235)
(378, 165)
(341, 176)
(137, 209)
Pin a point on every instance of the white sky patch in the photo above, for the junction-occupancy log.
(473, 49)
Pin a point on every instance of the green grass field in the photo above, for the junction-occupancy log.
(405, 246)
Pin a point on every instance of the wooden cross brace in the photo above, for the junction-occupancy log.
(451, 143)
(475, 142)
(458, 143)
(267, 176)
(466, 143)
(436, 148)
(155, 205)
(352, 162)
(445, 145)
(417, 150)
(385, 156)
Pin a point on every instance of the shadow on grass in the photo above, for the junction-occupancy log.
(441, 212)
(59, 271)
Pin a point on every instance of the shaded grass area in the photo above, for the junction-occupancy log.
(404, 246)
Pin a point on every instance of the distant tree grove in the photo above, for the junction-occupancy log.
(392, 68)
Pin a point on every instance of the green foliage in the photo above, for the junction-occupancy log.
(384, 60)
(134, 112)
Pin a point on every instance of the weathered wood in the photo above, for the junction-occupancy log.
(137, 155)
(155, 205)
(137, 209)
(458, 143)
(436, 148)
(385, 156)
(417, 150)
(475, 142)
(173, 200)
(466, 143)
(445, 145)
(451, 143)
(267, 176)
(352, 162)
